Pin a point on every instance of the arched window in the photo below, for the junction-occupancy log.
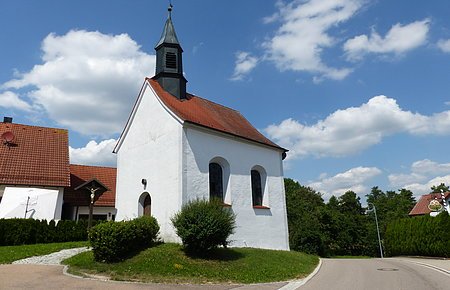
(215, 181)
(257, 193)
(145, 205)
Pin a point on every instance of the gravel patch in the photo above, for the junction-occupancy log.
(53, 258)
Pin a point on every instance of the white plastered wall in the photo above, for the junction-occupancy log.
(259, 228)
(43, 202)
(108, 211)
(150, 150)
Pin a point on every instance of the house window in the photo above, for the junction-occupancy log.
(257, 194)
(215, 181)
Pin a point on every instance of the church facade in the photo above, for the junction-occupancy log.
(177, 147)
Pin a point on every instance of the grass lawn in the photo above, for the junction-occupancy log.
(8, 254)
(168, 263)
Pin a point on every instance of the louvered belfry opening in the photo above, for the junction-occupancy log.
(171, 60)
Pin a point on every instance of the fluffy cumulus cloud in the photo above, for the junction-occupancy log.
(304, 33)
(87, 81)
(444, 45)
(11, 100)
(398, 40)
(349, 131)
(422, 176)
(94, 153)
(244, 64)
(354, 179)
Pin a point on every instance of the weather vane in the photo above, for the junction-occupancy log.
(170, 8)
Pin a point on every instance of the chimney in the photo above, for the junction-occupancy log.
(7, 119)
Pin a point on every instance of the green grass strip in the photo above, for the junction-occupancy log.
(8, 254)
(168, 263)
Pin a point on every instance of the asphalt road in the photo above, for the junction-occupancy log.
(376, 274)
(335, 274)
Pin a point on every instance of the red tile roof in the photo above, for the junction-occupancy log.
(208, 114)
(37, 156)
(421, 207)
(79, 174)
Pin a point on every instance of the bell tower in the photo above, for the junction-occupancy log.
(169, 62)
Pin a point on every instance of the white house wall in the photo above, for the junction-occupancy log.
(107, 211)
(43, 202)
(151, 150)
(260, 228)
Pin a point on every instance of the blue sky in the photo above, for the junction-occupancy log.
(357, 90)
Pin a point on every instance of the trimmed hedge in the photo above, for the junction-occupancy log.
(204, 225)
(115, 241)
(30, 231)
(419, 236)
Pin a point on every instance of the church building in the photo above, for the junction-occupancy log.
(177, 147)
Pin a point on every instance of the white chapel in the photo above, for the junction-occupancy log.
(178, 147)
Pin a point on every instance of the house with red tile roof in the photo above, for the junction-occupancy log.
(177, 147)
(37, 180)
(431, 204)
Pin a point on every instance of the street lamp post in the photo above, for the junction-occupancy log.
(378, 229)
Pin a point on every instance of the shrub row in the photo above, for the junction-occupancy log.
(31, 231)
(115, 241)
(419, 236)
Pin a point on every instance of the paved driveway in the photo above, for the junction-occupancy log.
(51, 277)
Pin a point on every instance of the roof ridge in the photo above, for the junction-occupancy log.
(34, 126)
(93, 166)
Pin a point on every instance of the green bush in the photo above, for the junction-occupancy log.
(422, 236)
(30, 231)
(115, 241)
(203, 225)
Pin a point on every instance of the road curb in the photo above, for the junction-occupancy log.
(298, 283)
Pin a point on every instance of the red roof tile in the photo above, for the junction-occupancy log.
(79, 174)
(208, 114)
(421, 207)
(38, 156)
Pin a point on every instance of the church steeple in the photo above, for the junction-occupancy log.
(169, 62)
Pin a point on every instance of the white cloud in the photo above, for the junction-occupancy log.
(94, 153)
(354, 179)
(422, 176)
(444, 45)
(11, 100)
(245, 63)
(304, 34)
(399, 39)
(352, 130)
(87, 81)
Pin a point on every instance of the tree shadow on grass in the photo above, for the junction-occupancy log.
(219, 254)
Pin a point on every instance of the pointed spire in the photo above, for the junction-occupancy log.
(168, 35)
(169, 61)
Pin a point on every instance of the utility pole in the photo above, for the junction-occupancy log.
(378, 229)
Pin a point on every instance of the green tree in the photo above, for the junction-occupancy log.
(346, 228)
(390, 206)
(437, 188)
(303, 213)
